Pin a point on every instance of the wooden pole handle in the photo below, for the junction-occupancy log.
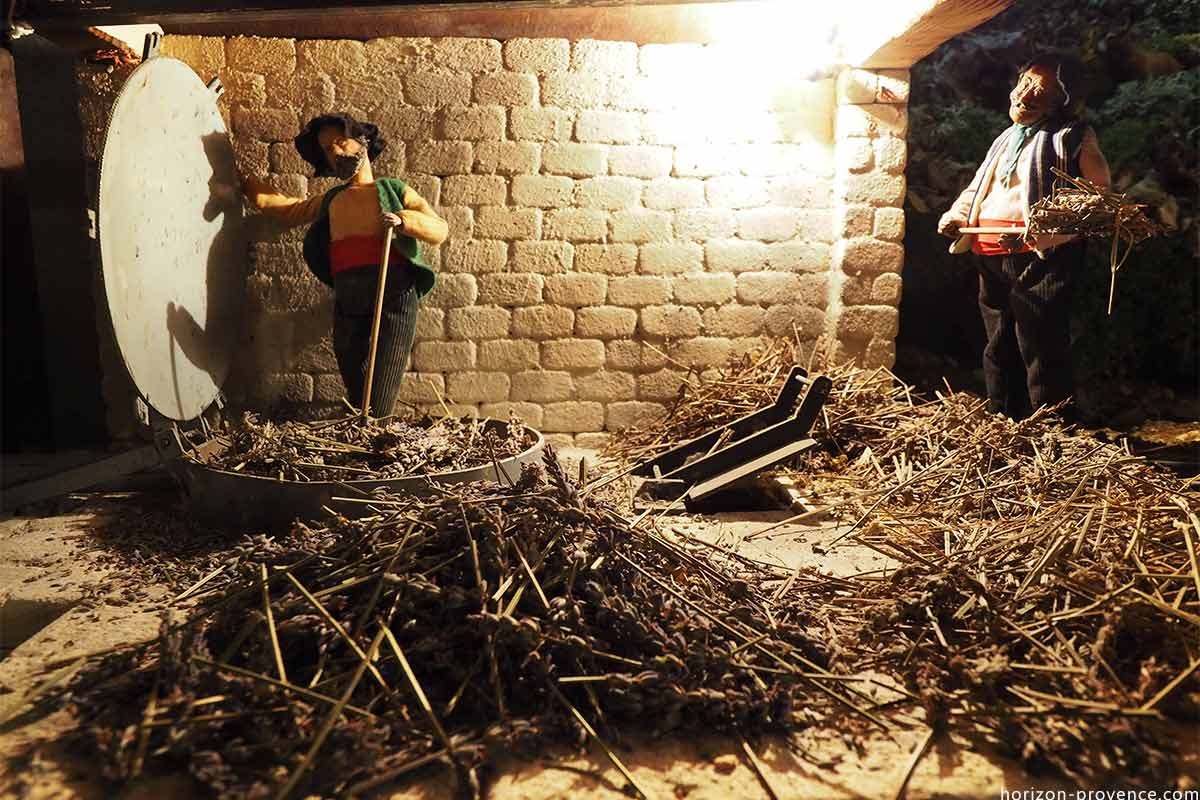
(383, 270)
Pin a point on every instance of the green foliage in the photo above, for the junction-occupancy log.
(961, 131)
(1141, 112)
(1183, 46)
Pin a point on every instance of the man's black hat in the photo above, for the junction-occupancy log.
(310, 149)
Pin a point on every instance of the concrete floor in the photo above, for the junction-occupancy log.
(53, 592)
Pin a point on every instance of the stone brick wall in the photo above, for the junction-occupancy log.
(618, 215)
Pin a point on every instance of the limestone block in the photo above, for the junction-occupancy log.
(444, 356)
(673, 193)
(452, 291)
(576, 225)
(542, 191)
(252, 157)
(575, 159)
(852, 221)
(286, 387)
(332, 56)
(427, 186)
(703, 288)
(437, 89)
(267, 124)
(501, 222)
(866, 322)
(545, 258)
(247, 89)
(856, 86)
(640, 161)
(672, 127)
(640, 225)
(875, 119)
(735, 255)
(670, 321)
(797, 256)
(886, 289)
(608, 58)
(607, 386)
(800, 191)
(473, 123)
(813, 290)
(540, 124)
(610, 127)
(311, 94)
(702, 352)
(507, 158)
(285, 258)
(672, 60)
(576, 90)
(705, 224)
(559, 440)
(777, 160)
(204, 54)
(628, 414)
(404, 123)
(510, 289)
(539, 56)
(636, 291)
(455, 409)
(854, 154)
(467, 55)
(856, 290)
(767, 224)
(477, 387)
(318, 357)
(889, 224)
(509, 89)
(867, 254)
(422, 387)
(475, 256)
(369, 90)
(670, 258)
(805, 322)
(282, 158)
(893, 86)
(544, 322)
(605, 322)
(610, 259)
(475, 323)
(705, 160)
(528, 413)
(440, 158)
(398, 54)
(733, 320)
(768, 288)
(608, 192)
(475, 190)
(290, 185)
(256, 54)
(573, 354)
(541, 386)
(814, 225)
(576, 289)
(661, 385)
(510, 355)
(891, 154)
(873, 188)
(628, 354)
(735, 191)
(431, 324)
(573, 416)
(328, 388)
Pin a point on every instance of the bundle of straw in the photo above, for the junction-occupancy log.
(1082, 208)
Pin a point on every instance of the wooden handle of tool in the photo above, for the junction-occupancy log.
(383, 268)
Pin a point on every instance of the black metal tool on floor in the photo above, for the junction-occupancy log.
(699, 467)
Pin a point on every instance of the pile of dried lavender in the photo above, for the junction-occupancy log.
(442, 628)
(350, 448)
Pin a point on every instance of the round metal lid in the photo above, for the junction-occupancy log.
(172, 244)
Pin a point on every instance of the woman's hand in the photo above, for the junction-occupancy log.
(391, 220)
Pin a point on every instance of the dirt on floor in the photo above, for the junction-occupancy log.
(83, 580)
